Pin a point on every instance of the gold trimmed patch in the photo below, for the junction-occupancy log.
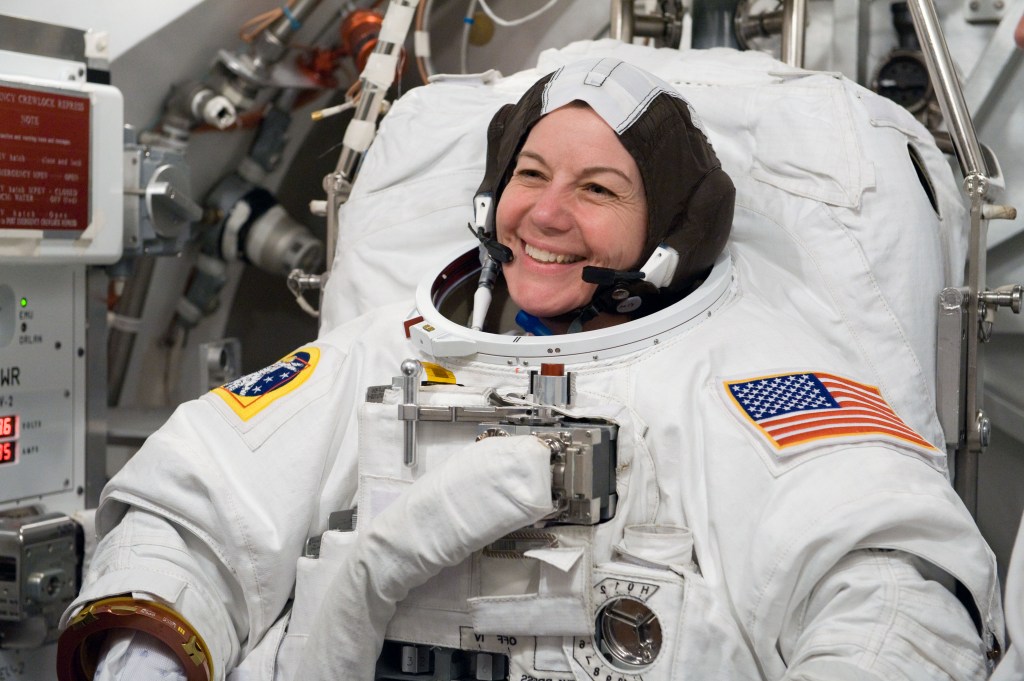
(249, 395)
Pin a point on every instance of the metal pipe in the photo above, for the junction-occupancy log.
(794, 19)
(96, 339)
(965, 462)
(410, 382)
(288, 24)
(748, 27)
(972, 164)
(622, 26)
(371, 100)
(650, 27)
(950, 95)
(120, 343)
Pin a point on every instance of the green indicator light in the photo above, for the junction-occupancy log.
(24, 302)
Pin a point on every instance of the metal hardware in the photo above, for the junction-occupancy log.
(40, 555)
(666, 27)
(629, 633)
(789, 22)
(409, 379)
(985, 11)
(1004, 296)
(794, 21)
(583, 451)
(369, 107)
(582, 470)
(984, 429)
(515, 544)
(947, 88)
(978, 301)
(220, 362)
(750, 26)
(400, 661)
(950, 358)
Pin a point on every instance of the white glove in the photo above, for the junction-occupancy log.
(483, 492)
(133, 655)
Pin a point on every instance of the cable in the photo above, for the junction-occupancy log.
(259, 23)
(514, 22)
(467, 24)
(421, 40)
(332, 110)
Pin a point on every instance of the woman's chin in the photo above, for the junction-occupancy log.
(544, 306)
(548, 301)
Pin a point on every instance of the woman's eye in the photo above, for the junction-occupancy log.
(528, 172)
(599, 190)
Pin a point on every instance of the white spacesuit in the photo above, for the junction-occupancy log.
(769, 514)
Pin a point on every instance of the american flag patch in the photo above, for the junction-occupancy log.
(793, 409)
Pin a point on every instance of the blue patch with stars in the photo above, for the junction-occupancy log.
(249, 395)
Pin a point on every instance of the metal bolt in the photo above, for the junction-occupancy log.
(973, 6)
(999, 5)
(984, 429)
(951, 298)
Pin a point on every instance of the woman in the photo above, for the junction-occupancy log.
(735, 547)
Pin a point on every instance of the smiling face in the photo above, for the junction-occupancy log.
(575, 198)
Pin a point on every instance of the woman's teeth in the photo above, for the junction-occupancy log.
(546, 256)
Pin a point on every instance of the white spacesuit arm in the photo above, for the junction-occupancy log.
(169, 567)
(874, 617)
(480, 494)
(129, 655)
(1011, 667)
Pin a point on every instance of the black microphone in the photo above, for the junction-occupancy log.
(605, 276)
(500, 252)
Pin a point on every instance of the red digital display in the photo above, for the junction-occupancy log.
(44, 160)
(8, 452)
(8, 439)
(8, 426)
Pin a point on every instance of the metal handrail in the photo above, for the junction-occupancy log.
(794, 21)
(950, 95)
(974, 425)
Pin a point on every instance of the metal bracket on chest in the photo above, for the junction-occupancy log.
(583, 451)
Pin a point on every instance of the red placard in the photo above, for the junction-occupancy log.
(44, 160)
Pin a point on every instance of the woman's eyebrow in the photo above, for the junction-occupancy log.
(586, 171)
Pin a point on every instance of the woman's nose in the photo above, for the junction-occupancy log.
(552, 209)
